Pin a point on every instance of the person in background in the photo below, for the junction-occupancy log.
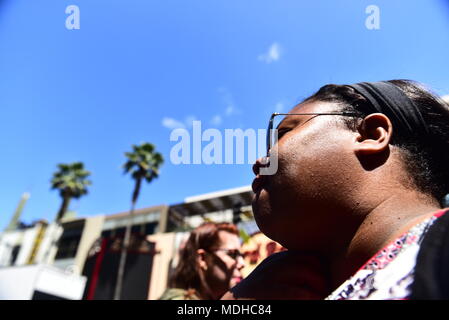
(210, 264)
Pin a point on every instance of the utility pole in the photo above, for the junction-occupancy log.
(15, 218)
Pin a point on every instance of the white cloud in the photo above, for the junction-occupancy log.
(230, 110)
(228, 101)
(273, 54)
(216, 120)
(171, 123)
(189, 121)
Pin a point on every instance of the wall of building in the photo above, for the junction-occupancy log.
(20, 283)
(48, 247)
(17, 282)
(8, 240)
(218, 216)
(166, 244)
(165, 248)
(140, 217)
(163, 220)
(91, 232)
(27, 243)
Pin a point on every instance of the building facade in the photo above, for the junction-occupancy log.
(90, 247)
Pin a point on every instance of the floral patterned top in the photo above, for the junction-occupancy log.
(389, 273)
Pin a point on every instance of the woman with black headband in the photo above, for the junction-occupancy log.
(362, 171)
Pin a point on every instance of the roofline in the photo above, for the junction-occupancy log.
(218, 194)
(137, 211)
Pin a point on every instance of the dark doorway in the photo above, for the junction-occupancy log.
(102, 265)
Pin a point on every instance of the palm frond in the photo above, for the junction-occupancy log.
(143, 162)
(71, 179)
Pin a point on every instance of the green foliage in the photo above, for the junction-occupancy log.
(143, 162)
(244, 235)
(71, 180)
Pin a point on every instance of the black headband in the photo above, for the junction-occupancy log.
(388, 99)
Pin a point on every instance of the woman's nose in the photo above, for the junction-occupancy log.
(240, 263)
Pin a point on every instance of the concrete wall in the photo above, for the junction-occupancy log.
(27, 239)
(92, 231)
(48, 247)
(52, 281)
(163, 220)
(8, 240)
(165, 246)
(27, 243)
(19, 283)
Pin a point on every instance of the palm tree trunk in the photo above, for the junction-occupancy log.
(124, 249)
(64, 206)
(136, 190)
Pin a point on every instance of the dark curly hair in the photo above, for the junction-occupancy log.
(426, 159)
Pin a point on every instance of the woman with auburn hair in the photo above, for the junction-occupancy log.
(210, 264)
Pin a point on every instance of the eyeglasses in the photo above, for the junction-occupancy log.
(272, 134)
(233, 253)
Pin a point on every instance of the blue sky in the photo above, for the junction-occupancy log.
(136, 68)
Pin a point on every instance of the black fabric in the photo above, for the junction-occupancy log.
(388, 99)
(431, 279)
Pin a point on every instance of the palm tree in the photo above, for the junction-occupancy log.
(71, 181)
(143, 164)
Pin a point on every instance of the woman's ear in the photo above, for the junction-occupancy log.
(374, 134)
(201, 259)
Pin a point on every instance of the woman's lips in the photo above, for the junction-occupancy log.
(258, 183)
(237, 279)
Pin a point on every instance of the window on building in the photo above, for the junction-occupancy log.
(14, 253)
(68, 243)
(142, 229)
